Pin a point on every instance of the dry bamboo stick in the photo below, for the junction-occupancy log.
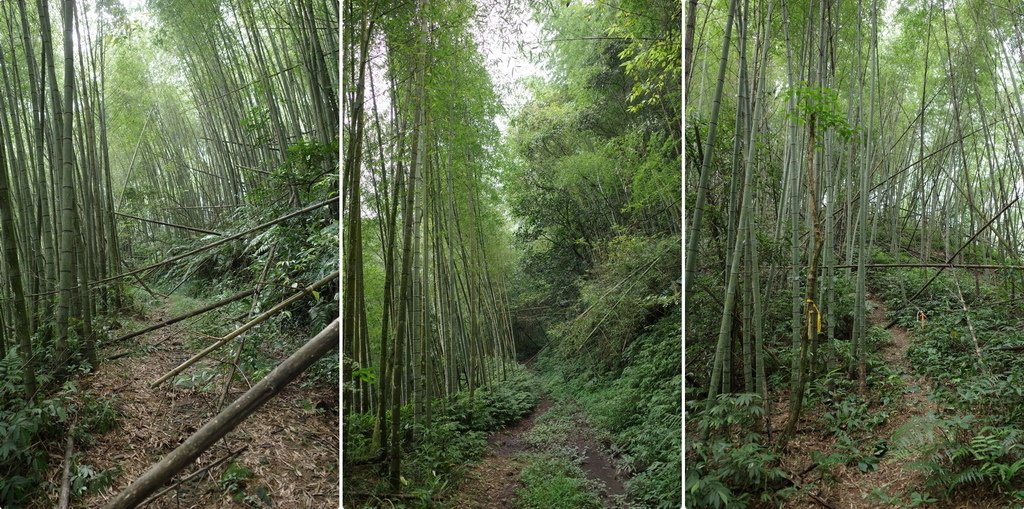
(217, 243)
(172, 225)
(170, 321)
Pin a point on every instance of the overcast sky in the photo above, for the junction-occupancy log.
(507, 29)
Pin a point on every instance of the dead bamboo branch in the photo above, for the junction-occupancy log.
(953, 257)
(252, 323)
(970, 326)
(171, 321)
(228, 419)
(241, 345)
(171, 225)
(932, 266)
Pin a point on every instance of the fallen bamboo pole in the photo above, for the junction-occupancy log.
(190, 314)
(217, 243)
(195, 474)
(932, 266)
(64, 501)
(228, 419)
(250, 324)
(951, 258)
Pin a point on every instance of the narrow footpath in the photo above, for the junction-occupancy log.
(846, 486)
(493, 483)
(289, 448)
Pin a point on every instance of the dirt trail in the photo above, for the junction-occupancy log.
(915, 397)
(494, 481)
(292, 452)
(892, 474)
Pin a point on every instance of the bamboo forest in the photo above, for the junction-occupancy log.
(853, 253)
(512, 219)
(169, 203)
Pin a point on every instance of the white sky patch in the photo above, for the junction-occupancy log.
(133, 4)
(888, 30)
(505, 34)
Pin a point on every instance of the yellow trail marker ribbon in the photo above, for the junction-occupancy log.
(817, 312)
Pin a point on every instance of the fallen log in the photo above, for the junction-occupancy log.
(228, 419)
(65, 485)
(171, 321)
(241, 330)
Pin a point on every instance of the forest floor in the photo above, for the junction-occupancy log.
(848, 487)
(290, 455)
(494, 482)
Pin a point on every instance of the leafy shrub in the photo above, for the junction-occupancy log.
(442, 449)
(85, 479)
(234, 480)
(625, 292)
(24, 428)
(964, 456)
(732, 468)
(499, 404)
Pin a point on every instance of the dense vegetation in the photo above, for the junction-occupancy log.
(846, 158)
(552, 239)
(141, 143)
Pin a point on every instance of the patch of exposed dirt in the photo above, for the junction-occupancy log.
(291, 451)
(598, 466)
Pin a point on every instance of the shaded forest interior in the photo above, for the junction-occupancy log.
(511, 254)
(856, 165)
(169, 233)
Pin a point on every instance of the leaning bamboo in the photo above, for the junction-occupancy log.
(171, 225)
(241, 330)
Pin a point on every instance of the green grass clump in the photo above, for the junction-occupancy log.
(555, 482)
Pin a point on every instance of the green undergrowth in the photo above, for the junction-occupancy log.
(636, 409)
(731, 463)
(552, 481)
(32, 435)
(728, 463)
(437, 454)
(973, 442)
